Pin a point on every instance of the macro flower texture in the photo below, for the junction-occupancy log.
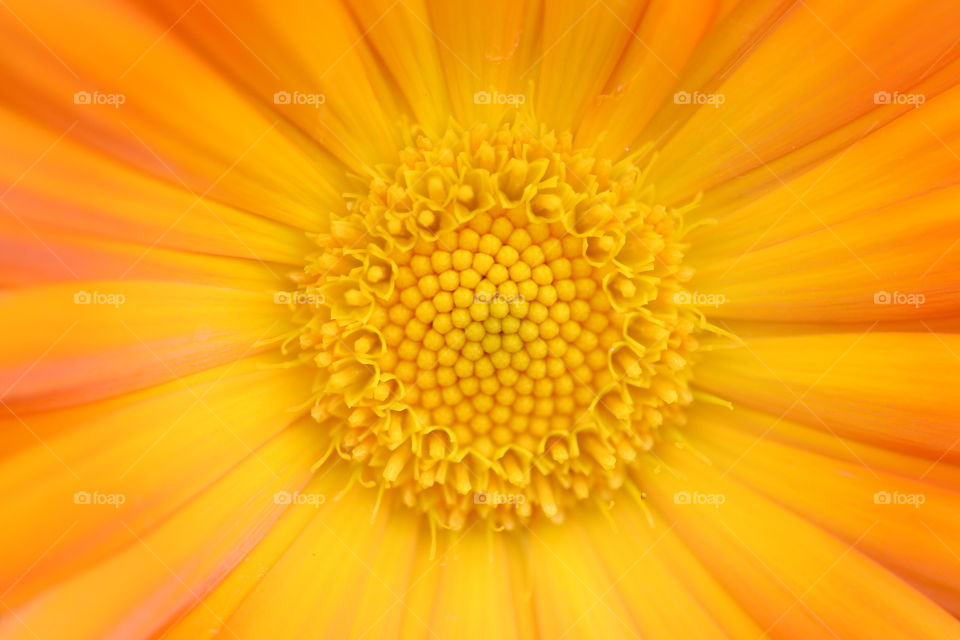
(512, 319)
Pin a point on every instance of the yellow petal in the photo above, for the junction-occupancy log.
(342, 552)
(908, 520)
(858, 50)
(886, 389)
(181, 118)
(164, 571)
(819, 246)
(53, 255)
(77, 342)
(157, 448)
(400, 34)
(661, 44)
(582, 42)
(58, 182)
(329, 86)
(496, 66)
(784, 571)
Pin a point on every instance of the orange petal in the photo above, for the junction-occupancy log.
(859, 49)
(785, 573)
(886, 389)
(205, 423)
(908, 521)
(181, 119)
(79, 342)
(57, 183)
(164, 571)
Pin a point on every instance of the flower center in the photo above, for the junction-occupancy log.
(495, 327)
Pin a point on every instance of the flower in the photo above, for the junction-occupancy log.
(506, 319)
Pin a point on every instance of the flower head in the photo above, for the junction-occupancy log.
(502, 319)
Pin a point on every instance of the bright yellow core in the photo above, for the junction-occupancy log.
(495, 327)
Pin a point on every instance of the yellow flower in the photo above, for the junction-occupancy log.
(443, 319)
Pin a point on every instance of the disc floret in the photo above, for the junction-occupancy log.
(498, 335)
